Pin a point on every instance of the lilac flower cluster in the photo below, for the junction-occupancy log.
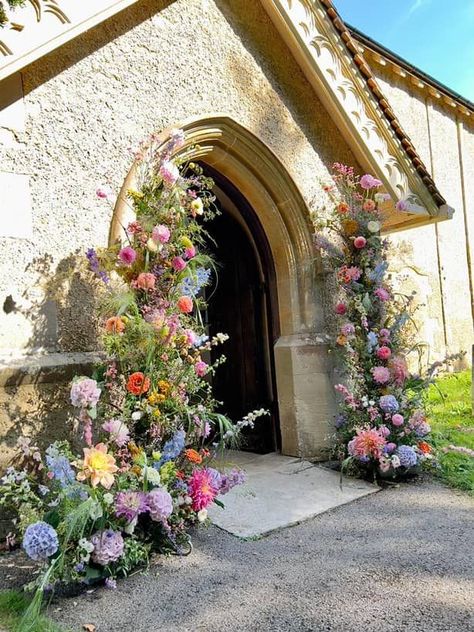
(94, 265)
(40, 541)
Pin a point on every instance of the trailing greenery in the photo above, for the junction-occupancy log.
(452, 422)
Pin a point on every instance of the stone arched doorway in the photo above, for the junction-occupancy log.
(301, 390)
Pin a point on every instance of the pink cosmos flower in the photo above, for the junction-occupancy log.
(178, 264)
(397, 420)
(382, 294)
(200, 368)
(127, 255)
(161, 234)
(360, 242)
(145, 281)
(119, 433)
(201, 489)
(369, 182)
(104, 192)
(381, 374)
(169, 172)
(384, 352)
(368, 443)
(341, 309)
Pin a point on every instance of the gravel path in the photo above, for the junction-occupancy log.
(400, 560)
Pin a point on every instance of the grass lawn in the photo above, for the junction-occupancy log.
(12, 606)
(452, 422)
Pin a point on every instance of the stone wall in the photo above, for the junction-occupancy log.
(436, 261)
(67, 124)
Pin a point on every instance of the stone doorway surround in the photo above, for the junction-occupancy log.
(303, 369)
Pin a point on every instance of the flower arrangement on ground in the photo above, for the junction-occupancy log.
(147, 419)
(382, 426)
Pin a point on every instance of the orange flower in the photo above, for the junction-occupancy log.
(185, 304)
(193, 456)
(145, 281)
(341, 340)
(114, 325)
(425, 447)
(99, 466)
(343, 207)
(138, 384)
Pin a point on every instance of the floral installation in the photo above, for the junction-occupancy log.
(382, 426)
(147, 418)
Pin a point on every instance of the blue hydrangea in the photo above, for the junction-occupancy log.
(372, 341)
(40, 541)
(172, 448)
(192, 284)
(377, 274)
(388, 403)
(407, 456)
(340, 420)
(59, 466)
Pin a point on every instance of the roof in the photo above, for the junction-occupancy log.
(371, 81)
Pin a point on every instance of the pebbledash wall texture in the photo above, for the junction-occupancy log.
(84, 106)
(67, 122)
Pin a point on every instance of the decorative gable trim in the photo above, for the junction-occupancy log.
(343, 86)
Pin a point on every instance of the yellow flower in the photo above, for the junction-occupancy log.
(134, 194)
(99, 466)
(156, 412)
(164, 386)
(155, 398)
(186, 242)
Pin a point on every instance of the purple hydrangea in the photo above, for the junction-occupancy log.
(40, 541)
(108, 546)
(215, 478)
(130, 505)
(388, 403)
(84, 392)
(407, 456)
(235, 477)
(160, 504)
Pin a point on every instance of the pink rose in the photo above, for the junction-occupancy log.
(178, 264)
(384, 352)
(369, 182)
(397, 420)
(341, 309)
(200, 368)
(145, 281)
(360, 242)
(127, 255)
(161, 234)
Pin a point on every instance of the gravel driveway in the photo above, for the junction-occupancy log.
(399, 560)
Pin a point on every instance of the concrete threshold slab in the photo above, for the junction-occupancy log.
(281, 491)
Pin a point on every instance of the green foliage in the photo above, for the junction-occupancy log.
(12, 607)
(452, 422)
(12, 4)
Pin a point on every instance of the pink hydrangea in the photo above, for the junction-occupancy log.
(127, 255)
(384, 352)
(160, 504)
(178, 264)
(368, 443)
(381, 374)
(119, 433)
(84, 392)
(169, 172)
(369, 182)
(200, 368)
(202, 489)
(382, 294)
(161, 234)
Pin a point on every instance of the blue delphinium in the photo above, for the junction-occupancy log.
(372, 341)
(40, 541)
(407, 456)
(192, 284)
(377, 274)
(172, 448)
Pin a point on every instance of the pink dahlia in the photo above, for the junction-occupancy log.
(202, 489)
(381, 374)
(368, 443)
(130, 505)
(384, 352)
(127, 255)
(190, 252)
(161, 234)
